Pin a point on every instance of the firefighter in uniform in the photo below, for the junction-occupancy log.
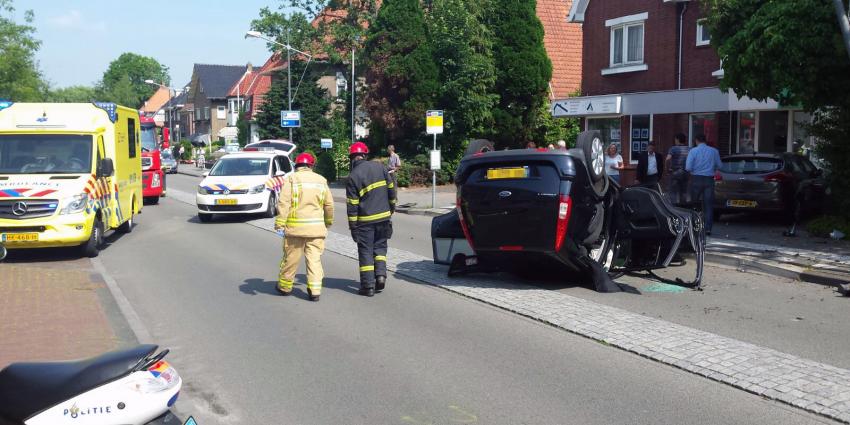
(305, 210)
(371, 198)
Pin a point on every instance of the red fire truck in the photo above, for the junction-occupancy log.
(153, 179)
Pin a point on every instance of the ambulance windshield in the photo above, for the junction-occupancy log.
(45, 154)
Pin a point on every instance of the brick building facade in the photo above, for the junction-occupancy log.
(649, 72)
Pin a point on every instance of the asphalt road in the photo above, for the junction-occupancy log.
(415, 354)
(790, 316)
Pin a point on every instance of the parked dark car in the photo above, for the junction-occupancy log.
(778, 183)
(547, 210)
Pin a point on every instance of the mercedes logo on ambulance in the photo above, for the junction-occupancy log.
(19, 208)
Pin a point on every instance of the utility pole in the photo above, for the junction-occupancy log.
(289, 78)
(843, 22)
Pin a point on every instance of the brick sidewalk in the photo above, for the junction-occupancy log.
(53, 310)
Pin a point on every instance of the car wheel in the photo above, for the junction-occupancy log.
(478, 146)
(590, 143)
(205, 218)
(91, 248)
(271, 209)
(152, 200)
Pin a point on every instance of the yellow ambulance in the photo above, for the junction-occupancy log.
(68, 173)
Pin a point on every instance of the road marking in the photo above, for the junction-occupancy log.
(136, 324)
(812, 386)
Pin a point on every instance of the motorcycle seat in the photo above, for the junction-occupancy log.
(29, 388)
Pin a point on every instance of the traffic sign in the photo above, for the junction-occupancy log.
(435, 160)
(290, 119)
(434, 122)
(327, 143)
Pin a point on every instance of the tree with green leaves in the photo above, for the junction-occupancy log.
(523, 69)
(124, 80)
(310, 98)
(402, 78)
(462, 50)
(20, 78)
(792, 51)
(73, 94)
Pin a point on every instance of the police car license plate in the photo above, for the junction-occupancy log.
(19, 237)
(741, 203)
(225, 202)
(507, 173)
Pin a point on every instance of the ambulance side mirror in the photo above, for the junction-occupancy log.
(106, 168)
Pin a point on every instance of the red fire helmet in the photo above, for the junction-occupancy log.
(358, 148)
(305, 159)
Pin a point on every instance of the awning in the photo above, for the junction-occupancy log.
(660, 102)
(200, 139)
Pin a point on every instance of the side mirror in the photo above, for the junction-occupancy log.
(205, 173)
(106, 168)
(279, 174)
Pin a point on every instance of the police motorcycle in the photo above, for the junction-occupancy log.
(532, 210)
(133, 386)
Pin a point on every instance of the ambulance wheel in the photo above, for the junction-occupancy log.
(205, 218)
(92, 247)
(271, 210)
(128, 225)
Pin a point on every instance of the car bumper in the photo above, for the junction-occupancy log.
(51, 232)
(726, 201)
(244, 204)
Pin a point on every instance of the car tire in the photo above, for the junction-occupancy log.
(478, 146)
(205, 218)
(591, 145)
(92, 247)
(152, 200)
(271, 209)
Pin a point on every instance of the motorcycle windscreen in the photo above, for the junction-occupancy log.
(512, 206)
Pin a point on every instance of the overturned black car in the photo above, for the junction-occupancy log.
(541, 209)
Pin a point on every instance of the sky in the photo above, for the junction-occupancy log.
(81, 37)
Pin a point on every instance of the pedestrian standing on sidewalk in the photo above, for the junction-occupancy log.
(305, 210)
(703, 162)
(613, 163)
(678, 176)
(650, 166)
(394, 163)
(562, 145)
(370, 199)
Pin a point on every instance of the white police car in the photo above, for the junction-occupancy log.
(243, 183)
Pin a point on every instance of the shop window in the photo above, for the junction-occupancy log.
(641, 134)
(705, 124)
(746, 132)
(773, 132)
(609, 128)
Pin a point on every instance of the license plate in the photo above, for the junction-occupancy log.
(507, 173)
(225, 202)
(741, 204)
(20, 237)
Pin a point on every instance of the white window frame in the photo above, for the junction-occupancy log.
(633, 161)
(221, 112)
(700, 29)
(624, 23)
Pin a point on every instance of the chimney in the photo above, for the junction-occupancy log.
(250, 68)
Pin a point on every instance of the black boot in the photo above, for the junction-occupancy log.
(369, 292)
(380, 283)
(312, 297)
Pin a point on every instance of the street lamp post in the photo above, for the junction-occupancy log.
(289, 50)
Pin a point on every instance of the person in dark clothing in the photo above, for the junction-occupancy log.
(676, 157)
(371, 200)
(650, 166)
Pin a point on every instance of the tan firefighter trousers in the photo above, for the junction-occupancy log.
(293, 249)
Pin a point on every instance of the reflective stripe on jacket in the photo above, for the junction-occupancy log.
(305, 206)
(370, 193)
